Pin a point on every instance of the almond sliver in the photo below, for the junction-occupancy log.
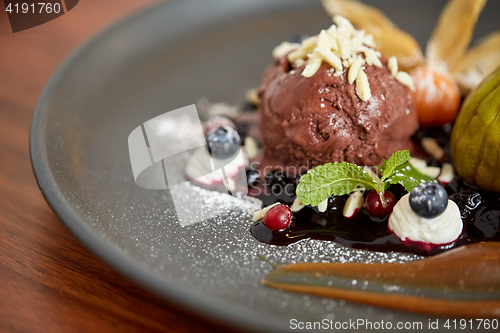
(453, 32)
(389, 39)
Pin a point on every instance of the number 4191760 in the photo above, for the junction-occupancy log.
(33, 8)
(463, 324)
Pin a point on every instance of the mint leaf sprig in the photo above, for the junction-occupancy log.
(343, 178)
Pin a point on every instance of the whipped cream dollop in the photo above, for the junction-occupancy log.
(442, 229)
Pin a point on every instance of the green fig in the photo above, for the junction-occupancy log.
(475, 139)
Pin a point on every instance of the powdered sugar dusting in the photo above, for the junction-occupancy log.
(219, 257)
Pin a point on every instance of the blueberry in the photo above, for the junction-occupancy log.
(428, 200)
(253, 177)
(223, 142)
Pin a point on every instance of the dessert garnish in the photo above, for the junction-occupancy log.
(426, 215)
(389, 39)
(476, 135)
(316, 112)
(278, 217)
(432, 148)
(423, 168)
(379, 206)
(204, 167)
(338, 107)
(447, 66)
(428, 200)
(222, 142)
(353, 204)
(202, 173)
(251, 147)
(258, 215)
(437, 96)
(345, 49)
(447, 174)
(334, 98)
(338, 179)
(297, 205)
(463, 282)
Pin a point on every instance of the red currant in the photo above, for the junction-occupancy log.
(278, 218)
(374, 206)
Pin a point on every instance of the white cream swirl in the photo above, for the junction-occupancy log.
(442, 229)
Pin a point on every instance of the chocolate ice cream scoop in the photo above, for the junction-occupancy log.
(308, 121)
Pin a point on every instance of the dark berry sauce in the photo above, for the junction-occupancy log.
(480, 213)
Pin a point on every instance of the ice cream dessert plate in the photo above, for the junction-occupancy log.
(159, 60)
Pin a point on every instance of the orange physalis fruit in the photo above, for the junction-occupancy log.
(437, 96)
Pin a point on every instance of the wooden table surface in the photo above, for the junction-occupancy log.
(48, 281)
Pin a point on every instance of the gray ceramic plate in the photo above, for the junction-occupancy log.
(158, 60)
